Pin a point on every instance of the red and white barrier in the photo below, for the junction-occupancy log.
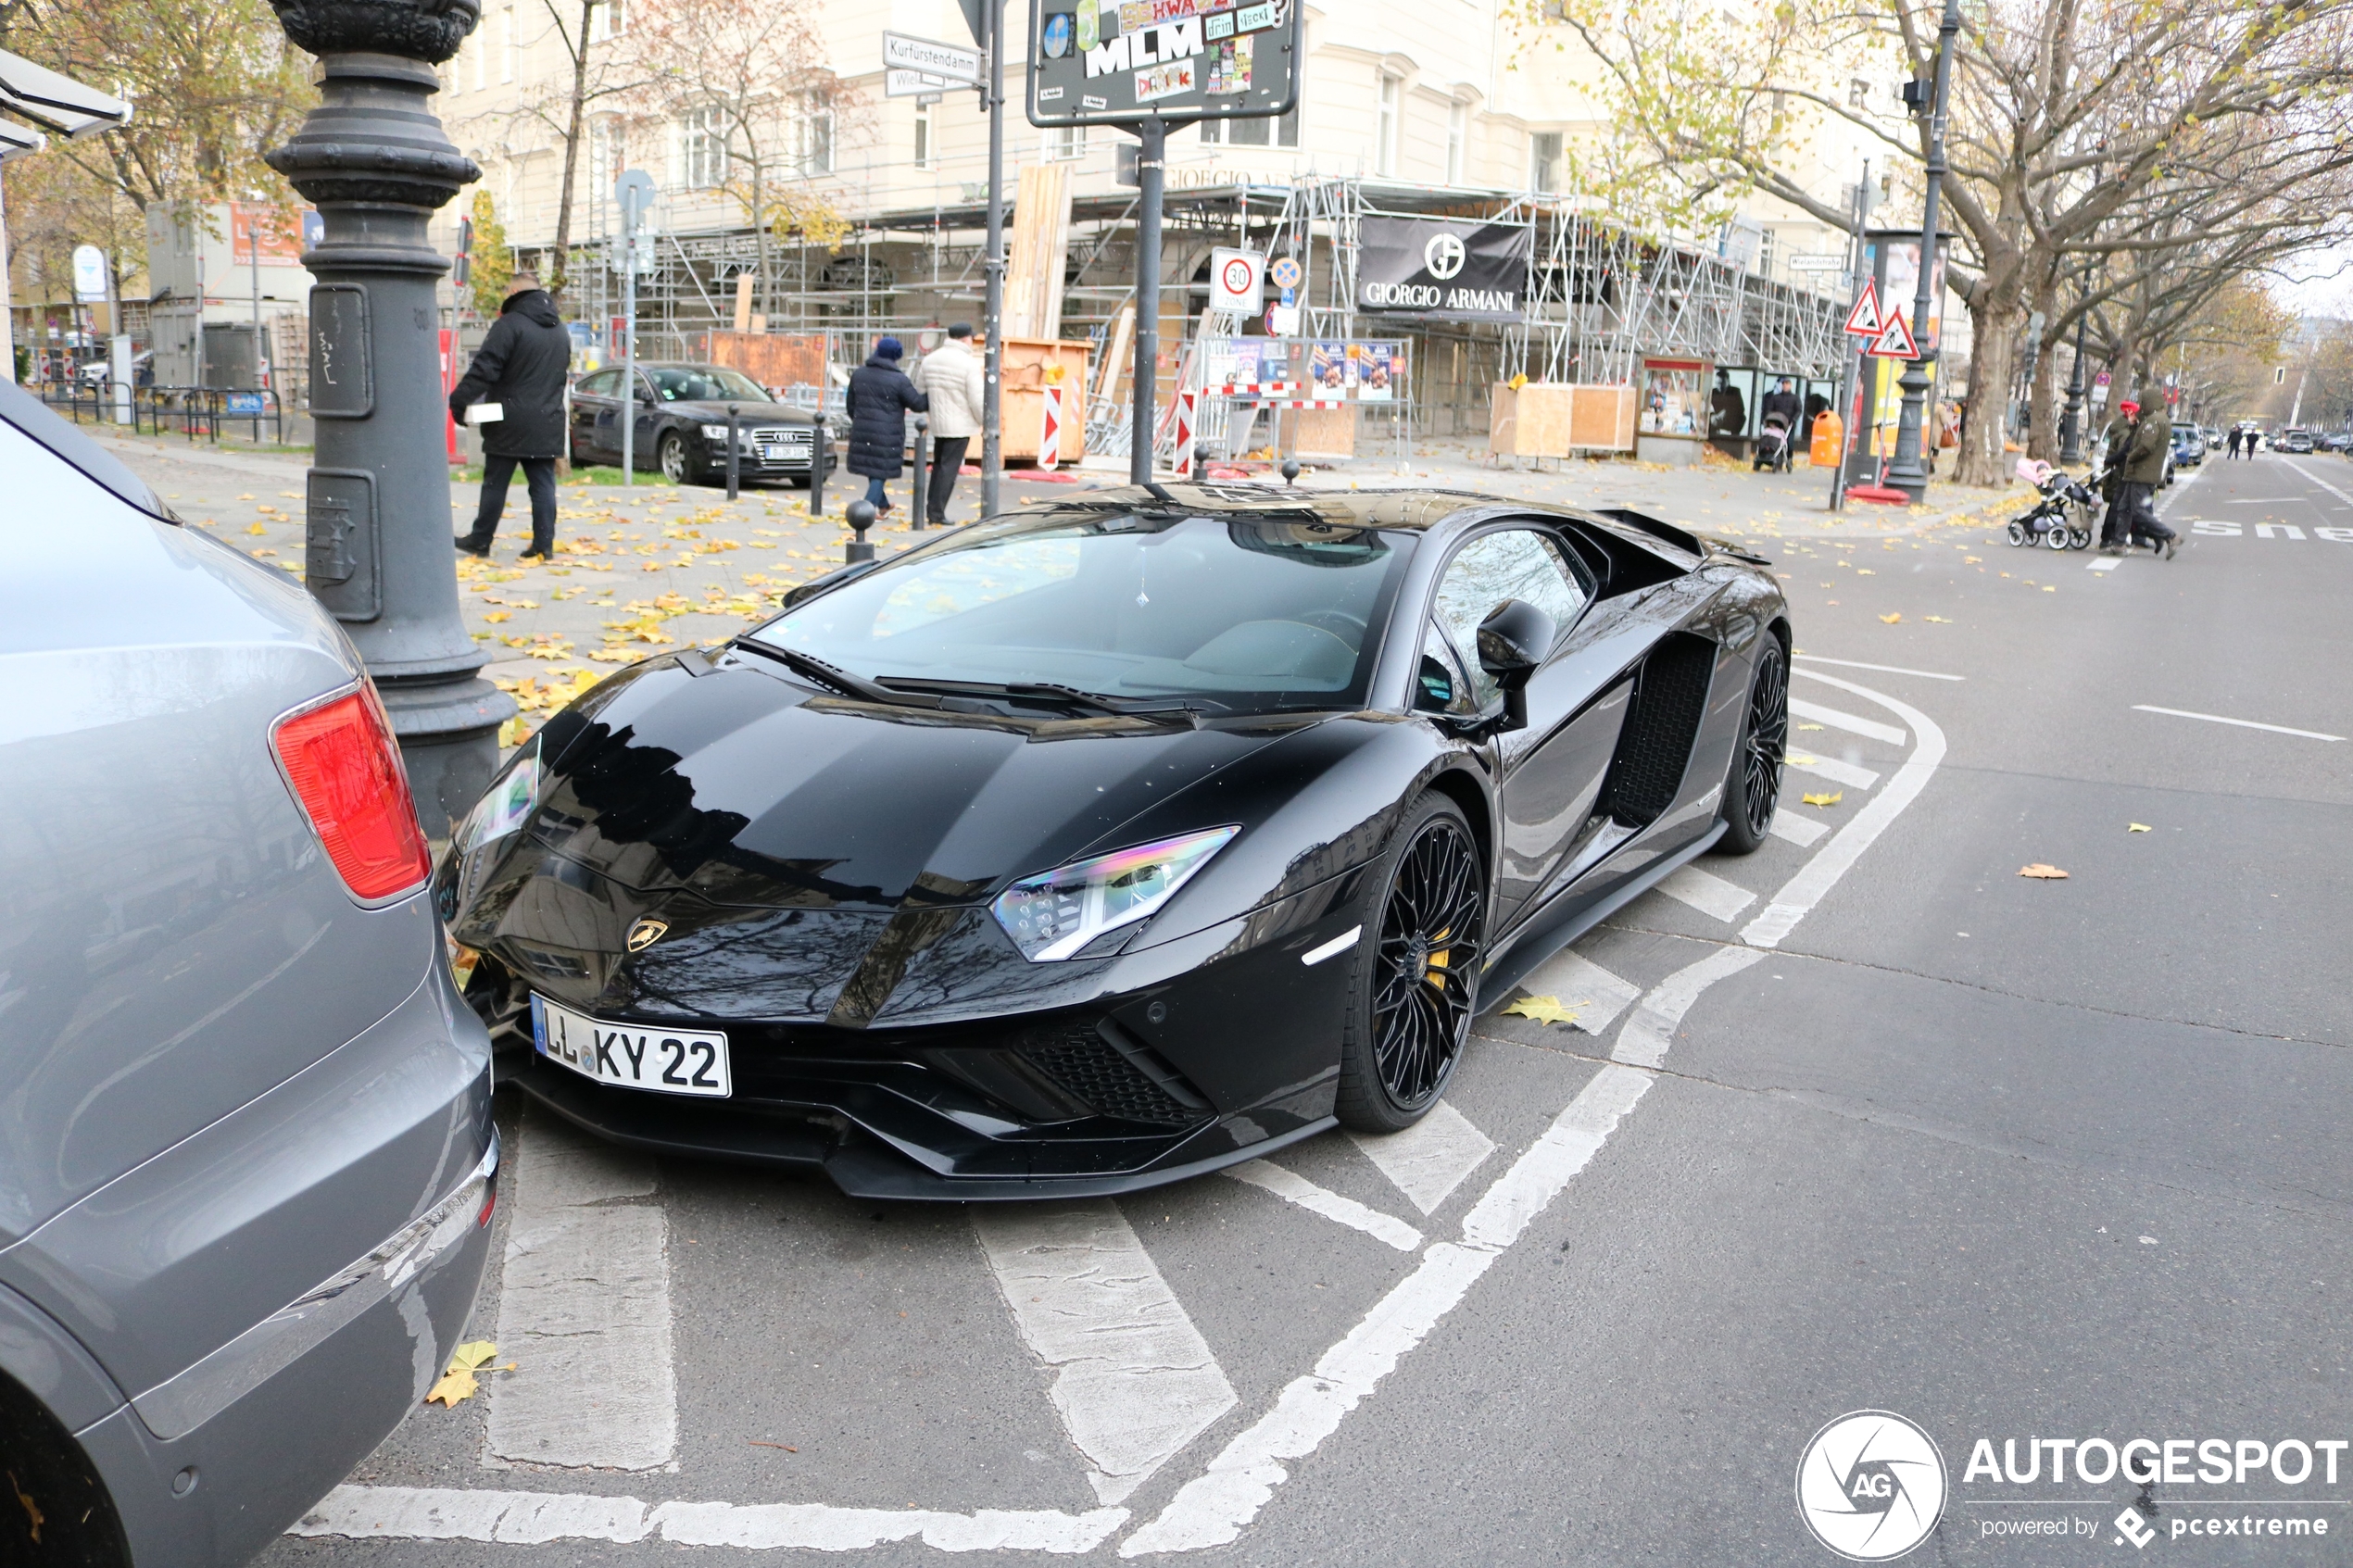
(1188, 412)
(1050, 436)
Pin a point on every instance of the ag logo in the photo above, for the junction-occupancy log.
(1443, 256)
(1870, 1485)
(645, 934)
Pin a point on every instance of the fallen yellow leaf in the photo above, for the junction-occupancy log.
(2136, 827)
(1831, 799)
(1543, 1009)
(1892, 619)
(497, 615)
(256, 528)
(2042, 873)
(247, 496)
(1938, 619)
(457, 1382)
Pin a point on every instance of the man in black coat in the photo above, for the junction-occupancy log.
(522, 367)
(880, 399)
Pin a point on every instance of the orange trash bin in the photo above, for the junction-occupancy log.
(1829, 439)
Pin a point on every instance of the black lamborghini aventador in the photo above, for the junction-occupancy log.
(1116, 839)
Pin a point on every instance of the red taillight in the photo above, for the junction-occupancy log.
(345, 769)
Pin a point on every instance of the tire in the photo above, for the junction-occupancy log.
(1410, 1003)
(676, 467)
(2056, 538)
(2079, 539)
(1753, 783)
(2017, 531)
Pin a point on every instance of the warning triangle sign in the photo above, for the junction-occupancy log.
(1862, 320)
(1896, 341)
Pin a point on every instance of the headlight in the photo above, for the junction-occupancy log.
(508, 801)
(714, 432)
(1055, 914)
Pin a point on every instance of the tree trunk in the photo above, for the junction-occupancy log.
(560, 272)
(2042, 405)
(1996, 330)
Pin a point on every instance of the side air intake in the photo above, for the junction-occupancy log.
(1670, 698)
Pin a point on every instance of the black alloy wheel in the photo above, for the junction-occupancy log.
(1752, 788)
(674, 462)
(1417, 977)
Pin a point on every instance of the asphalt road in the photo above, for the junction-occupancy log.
(1868, 1122)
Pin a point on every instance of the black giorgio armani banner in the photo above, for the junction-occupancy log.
(1459, 272)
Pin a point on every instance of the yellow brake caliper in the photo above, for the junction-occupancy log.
(1435, 971)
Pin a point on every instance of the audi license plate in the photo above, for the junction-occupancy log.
(666, 1061)
(777, 452)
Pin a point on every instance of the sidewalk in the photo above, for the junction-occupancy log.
(655, 565)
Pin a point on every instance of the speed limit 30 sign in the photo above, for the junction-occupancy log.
(1237, 280)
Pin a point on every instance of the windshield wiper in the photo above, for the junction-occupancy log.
(1059, 695)
(832, 675)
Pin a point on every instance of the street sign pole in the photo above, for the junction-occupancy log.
(1151, 169)
(1908, 473)
(992, 422)
(1851, 382)
(635, 188)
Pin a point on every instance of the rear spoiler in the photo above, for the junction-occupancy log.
(1667, 533)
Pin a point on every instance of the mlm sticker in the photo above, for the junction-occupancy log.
(1870, 1485)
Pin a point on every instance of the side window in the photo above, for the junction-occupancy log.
(1513, 563)
(604, 384)
(1440, 685)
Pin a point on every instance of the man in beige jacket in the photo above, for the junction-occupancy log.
(951, 376)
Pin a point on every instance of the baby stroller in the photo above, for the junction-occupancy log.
(2064, 517)
(1772, 447)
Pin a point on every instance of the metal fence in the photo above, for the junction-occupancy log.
(191, 410)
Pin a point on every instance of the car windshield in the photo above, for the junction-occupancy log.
(704, 383)
(1247, 612)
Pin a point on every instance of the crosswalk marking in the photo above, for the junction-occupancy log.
(1800, 831)
(1709, 894)
(583, 1309)
(1134, 1380)
(1838, 718)
(1430, 1159)
(1595, 993)
(1836, 772)
(1292, 1187)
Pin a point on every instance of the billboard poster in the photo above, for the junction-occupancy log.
(1443, 269)
(1118, 61)
(1375, 370)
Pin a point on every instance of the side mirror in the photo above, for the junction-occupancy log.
(1514, 639)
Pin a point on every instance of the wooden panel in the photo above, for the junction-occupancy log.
(774, 359)
(1040, 244)
(1026, 361)
(1544, 408)
(1603, 419)
(1319, 432)
(1503, 420)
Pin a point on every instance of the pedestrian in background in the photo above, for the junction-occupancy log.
(2238, 439)
(951, 377)
(880, 399)
(2149, 437)
(520, 368)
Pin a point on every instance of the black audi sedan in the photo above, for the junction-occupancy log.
(1112, 840)
(681, 413)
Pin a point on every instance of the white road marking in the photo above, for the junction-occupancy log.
(2241, 723)
(2318, 480)
(1430, 1159)
(422, 1514)
(1800, 831)
(583, 1309)
(1838, 718)
(2105, 563)
(1215, 1507)
(1884, 669)
(1644, 1040)
(1332, 949)
(1819, 875)
(1292, 1187)
(1595, 993)
(1134, 1380)
(1709, 894)
(1831, 769)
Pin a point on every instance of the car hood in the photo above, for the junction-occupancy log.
(747, 414)
(742, 811)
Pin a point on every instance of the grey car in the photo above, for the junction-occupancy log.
(246, 1154)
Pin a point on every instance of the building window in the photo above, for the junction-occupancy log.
(1859, 94)
(1065, 144)
(1283, 133)
(605, 157)
(1457, 138)
(814, 135)
(702, 144)
(924, 153)
(507, 44)
(478, 48)
(608, 18)
(1385, 126)
(1545, 162)
(1212, 133)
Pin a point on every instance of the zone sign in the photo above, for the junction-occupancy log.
(1120, 61)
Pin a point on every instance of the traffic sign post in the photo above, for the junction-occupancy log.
(634, 191)
(1237, 280)
(1864, 320)
(1894, 340)
(1119, 66)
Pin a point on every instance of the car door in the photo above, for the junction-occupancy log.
(592, 404)
(1552, 770)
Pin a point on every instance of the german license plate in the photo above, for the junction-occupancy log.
(632, 1056)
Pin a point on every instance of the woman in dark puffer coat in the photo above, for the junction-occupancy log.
(880, 399)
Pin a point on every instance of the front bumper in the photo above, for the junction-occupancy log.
(1139, 1070)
